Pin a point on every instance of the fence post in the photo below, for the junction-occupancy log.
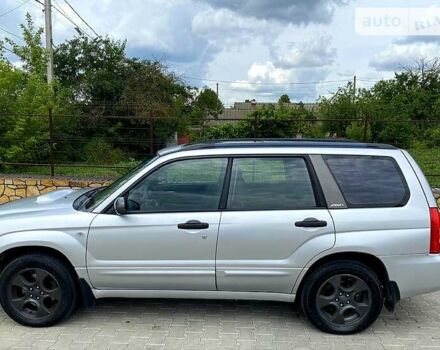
(255, 125)
(365, 133)
(51, 150)
(151, 141)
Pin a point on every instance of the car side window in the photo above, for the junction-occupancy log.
(270, 184)
(369, 181)
(185, 185)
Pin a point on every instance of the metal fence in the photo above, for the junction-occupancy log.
(76, 146)
(106, 146)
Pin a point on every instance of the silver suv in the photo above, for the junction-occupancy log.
(342, 228)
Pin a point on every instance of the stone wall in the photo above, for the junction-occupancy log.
(17, 187)
(437, 195)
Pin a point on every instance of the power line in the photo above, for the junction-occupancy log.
(269, 90)
(4, 47)
(82, 19)
(10, 33)
(370, 81)
(13, 9)
(266, 83)
(61, 12)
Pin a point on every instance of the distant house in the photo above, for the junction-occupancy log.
(241, 109)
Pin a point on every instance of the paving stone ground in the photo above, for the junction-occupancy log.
(202, 324)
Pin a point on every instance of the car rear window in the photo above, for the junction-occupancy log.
(369, 181)
(270, 184)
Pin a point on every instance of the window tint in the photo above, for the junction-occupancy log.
(187, 185)
(367, 181)
(270, 183)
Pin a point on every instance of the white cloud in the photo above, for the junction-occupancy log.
(291, 11)
(397, 55)
(268, 82)
(304, 62)
(227, 30)
(248, 41)
(314, 52)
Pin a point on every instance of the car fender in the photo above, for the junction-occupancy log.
(71, 244)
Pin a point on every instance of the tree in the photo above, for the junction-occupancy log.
(393, 111)
(94, 69)
(337, 111)
(269, 122)
(206, 104)
(32, 54)
(25, 95)
(156, 95)
(284, 99)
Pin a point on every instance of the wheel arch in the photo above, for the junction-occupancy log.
(10, 254)
(369, 260)
(86, 296)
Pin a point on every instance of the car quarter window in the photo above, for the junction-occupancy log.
(270, 184)
(369, 181)
(184, 185)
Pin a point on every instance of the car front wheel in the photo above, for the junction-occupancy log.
(342, 297)
(37, 290)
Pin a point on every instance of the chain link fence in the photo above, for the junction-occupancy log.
(91, 146)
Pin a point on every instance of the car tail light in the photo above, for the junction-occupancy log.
(434, 247)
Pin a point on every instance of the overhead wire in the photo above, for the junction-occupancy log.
(13, 9)
(4, 47)
(10, 33)
(62, 13)
(81, 18)
(264, 83)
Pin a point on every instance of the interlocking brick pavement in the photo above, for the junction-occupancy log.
(202, 324)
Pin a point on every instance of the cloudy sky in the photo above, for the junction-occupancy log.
(253, 48)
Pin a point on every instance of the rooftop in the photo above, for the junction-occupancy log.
(245, 143)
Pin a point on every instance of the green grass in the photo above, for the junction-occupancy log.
(429, 161)
(70, 171)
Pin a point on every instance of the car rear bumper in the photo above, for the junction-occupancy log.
(414, 274)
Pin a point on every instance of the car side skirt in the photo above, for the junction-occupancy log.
(191, 294)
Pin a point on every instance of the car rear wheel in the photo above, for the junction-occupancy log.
(37, 290)
(342, 297)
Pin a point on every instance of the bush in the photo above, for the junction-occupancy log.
(98, 151)
(355, 131)
(223, 131)
(432, 137)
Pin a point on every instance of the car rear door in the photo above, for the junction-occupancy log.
(274, 221)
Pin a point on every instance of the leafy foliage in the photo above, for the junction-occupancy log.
(284, 99)
(277, 121)
(399, 111)
(94, 80)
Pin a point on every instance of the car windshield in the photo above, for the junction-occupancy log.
(102, 194)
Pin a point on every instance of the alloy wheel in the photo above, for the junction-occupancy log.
(343, 299)
(34, 292)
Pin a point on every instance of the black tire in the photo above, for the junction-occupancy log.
(37, 290)
(349, 309)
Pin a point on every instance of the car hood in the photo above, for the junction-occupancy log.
(53, 201)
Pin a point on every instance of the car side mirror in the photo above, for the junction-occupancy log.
(120, 206)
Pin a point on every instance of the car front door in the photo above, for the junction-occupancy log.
(167, 239)
(274, 222)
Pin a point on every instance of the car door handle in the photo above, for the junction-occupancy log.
(193, 225)
(311, 222)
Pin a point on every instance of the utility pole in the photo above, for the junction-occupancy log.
(217, 89)
(49, 50)
(49, 42)
(364, 116)
(354, 87)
